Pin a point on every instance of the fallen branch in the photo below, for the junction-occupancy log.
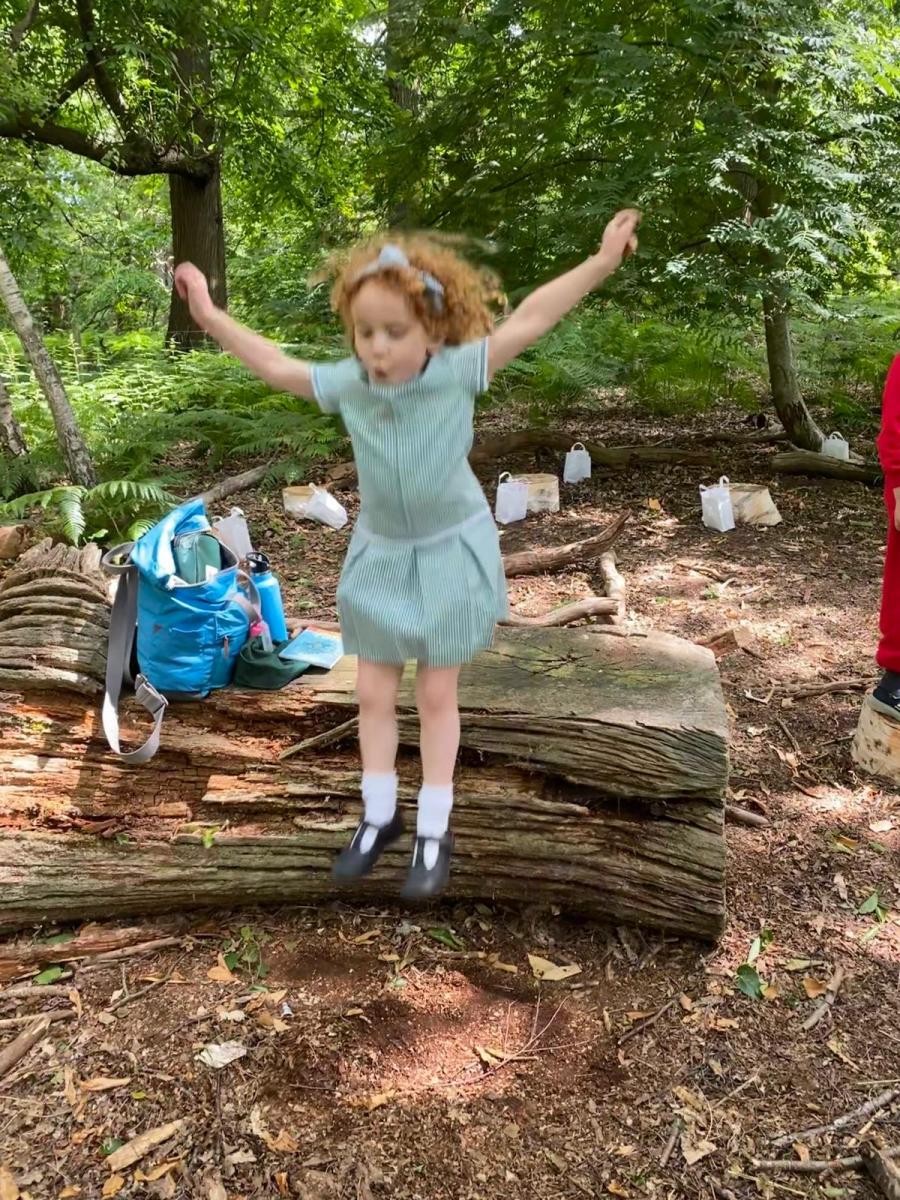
(603, 458)
(805, 462)
(550, 558)
(881, 1171)
(742, 816)
(140, 948)
(27, 991)
(566, 614)
(62, 1014)
(328, 738)
(15, 960)
(821, 689)
(858, 1114)
(19, 1047)
(235, 483)
(812, 1166)
(833, 987)
(614, 584)
(671, 1143)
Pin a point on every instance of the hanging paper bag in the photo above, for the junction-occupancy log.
(715, 505)
(512, 499)
(578, 464)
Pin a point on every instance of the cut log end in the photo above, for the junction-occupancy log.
(876, 744)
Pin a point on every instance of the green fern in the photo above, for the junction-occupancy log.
(124, 508)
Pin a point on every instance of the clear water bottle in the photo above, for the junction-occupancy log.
(270, 601)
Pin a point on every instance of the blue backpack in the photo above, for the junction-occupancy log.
(181, 615)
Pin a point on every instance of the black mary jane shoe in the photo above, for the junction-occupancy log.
(422, 882)
(353, 863)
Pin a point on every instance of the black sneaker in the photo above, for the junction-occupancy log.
(422, 883)
(886, 701)
(353, 863)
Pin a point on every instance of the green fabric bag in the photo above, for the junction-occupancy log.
(262, 669)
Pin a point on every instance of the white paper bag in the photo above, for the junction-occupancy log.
(512, 499)
(836, 447)
(323, 507)
(715, 505)
(233, 531)
(578, 464)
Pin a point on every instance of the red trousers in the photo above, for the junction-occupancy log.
(888, 656)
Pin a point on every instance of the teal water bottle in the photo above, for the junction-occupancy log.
(270, 602)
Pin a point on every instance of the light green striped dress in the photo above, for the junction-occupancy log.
(423, 579)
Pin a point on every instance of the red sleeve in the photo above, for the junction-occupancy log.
(888, 441)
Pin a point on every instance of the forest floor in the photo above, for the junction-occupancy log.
(387, 1054)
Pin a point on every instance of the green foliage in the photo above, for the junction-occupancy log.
(117, 510)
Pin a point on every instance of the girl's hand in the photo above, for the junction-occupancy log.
(191, 285)
(620, 237)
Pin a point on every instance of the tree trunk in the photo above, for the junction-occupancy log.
(198, 236)
(75, 453)
(12, 440)
(790, 406)
(805, 462)
(592, 775)
(400, 27)
(198, 229)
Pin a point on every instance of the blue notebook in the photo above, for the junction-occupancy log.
(316, 647)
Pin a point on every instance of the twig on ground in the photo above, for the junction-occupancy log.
(645, 1025)
(321, 739)
(782, 725)
(812, 1166)
(742, 816)
(62, 1014)
(129, 951)
(803, 691)
(834, 986)
(671, 1143)
(858, 1114)
(19, 1047)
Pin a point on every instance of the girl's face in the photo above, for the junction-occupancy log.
(389, 339)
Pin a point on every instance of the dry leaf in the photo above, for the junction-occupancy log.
(814, 987)
(215, 1188)
(686, 1002)
(771, 992)
(281, 1182)
(639, 1014)
(370, 1103)
(654, 505)
(366, 939)
(156, 1172)
(691, 1099)
(113, 1185)
(221, 973)
(797, 964)
(220, 1054)
(9, 1189)
(70, 1192)
(847, 843)
(694, 1151)
(69, 1087)
(834, 1045)
(616, 1189)
(135, 1150)
(75, 1000)
(284, 1143)
(275, 997)
(882, 826)
(489, 1056)
(725, 1023)
(841, 884)
(550, 972)
(802, 1151)
(103, 1084)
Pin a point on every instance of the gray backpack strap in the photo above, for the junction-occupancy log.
(122, 624)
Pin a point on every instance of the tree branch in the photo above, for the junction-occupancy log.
(105, 85)
(72, 85)
(20, 31)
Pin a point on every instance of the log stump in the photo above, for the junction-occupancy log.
(593, 772)
(876, 744)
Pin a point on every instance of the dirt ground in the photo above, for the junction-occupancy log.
(384, 1053)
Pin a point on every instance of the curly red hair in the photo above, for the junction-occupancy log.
(471, 294)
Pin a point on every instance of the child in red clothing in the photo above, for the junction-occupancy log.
(887, 694)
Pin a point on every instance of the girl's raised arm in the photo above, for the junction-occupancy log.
(547, 305)
(263, 357)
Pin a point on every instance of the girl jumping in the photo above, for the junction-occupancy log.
(423, 578)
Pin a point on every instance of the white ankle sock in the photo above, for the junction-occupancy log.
(433, 818)
(379, 793)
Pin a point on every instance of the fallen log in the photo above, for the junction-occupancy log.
(603, 765)
(568, 614)
(603, 458)
(806, 462)
(235, 483)
(551, 558)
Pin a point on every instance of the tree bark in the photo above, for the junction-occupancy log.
(12, 440)
(198, 236)
(790, 406)
(74, 451)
